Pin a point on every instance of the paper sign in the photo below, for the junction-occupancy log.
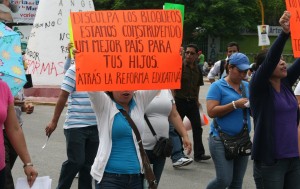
(40, 183)
(293, 6)
(47, 46)
(127, 49)
(263, 35)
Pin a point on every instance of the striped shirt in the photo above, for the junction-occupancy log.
(79, 112)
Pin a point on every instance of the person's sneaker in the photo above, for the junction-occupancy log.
(202, 157)
(184, 161)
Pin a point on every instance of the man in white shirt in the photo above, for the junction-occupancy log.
(219, 66)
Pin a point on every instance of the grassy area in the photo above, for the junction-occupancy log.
(249, 46)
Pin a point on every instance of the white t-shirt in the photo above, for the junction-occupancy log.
(158, 112)
(297, 89)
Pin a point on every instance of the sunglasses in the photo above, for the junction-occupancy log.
(190, 53)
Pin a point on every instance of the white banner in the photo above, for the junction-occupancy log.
(263, 32)
(26, 10)
(47, 46)
(24, 32)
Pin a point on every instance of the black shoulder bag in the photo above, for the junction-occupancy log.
(163, 146)
(148, 172)
(239, 145)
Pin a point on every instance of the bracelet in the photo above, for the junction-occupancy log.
(27, 164)
(234, 106)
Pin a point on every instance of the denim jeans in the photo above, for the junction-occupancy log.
(229, 173)
(284, 174)
(82, 145)
(190, 109)
(120, 181)
(177, 151)
(157, 162)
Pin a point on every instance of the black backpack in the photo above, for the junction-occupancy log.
(222, 67)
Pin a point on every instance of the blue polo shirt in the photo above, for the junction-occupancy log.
(231, 123)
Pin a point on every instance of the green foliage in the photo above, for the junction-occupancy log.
(217, 18)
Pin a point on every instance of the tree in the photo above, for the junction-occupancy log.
(216, 18)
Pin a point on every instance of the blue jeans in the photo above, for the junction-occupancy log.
(190, 109)
(120, 181)
(82, 145)
(177, 151)
(284, 174)
(229, 173)
(158, 164)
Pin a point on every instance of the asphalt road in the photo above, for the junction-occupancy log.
(48, 160)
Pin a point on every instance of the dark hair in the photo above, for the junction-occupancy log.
(232, 44)
(192, 46)
(260, 57)
(110, 94)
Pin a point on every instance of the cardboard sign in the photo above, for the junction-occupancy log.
(127, 49)
(47, 50)
(293, 6)
(173, 6)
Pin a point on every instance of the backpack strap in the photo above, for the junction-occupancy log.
(222, 67)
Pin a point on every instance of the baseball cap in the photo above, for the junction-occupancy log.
(240, 60)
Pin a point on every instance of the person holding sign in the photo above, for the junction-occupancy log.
(275, 114)
(118, 163)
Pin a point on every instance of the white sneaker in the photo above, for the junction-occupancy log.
(183, 162)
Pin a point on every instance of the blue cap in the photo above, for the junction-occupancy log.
(240, 60)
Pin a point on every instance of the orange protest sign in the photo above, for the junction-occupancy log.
(293, 6)
(127, 49)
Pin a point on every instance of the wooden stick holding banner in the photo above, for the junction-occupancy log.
(127, 49)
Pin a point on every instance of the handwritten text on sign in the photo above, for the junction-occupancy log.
(127, 49)
(294, 7)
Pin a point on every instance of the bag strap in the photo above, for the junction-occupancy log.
(149, 175)
(245, 122)
(150, 126)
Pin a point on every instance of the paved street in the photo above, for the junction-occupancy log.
(48, 161)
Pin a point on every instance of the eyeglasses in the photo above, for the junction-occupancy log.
(190, 53)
